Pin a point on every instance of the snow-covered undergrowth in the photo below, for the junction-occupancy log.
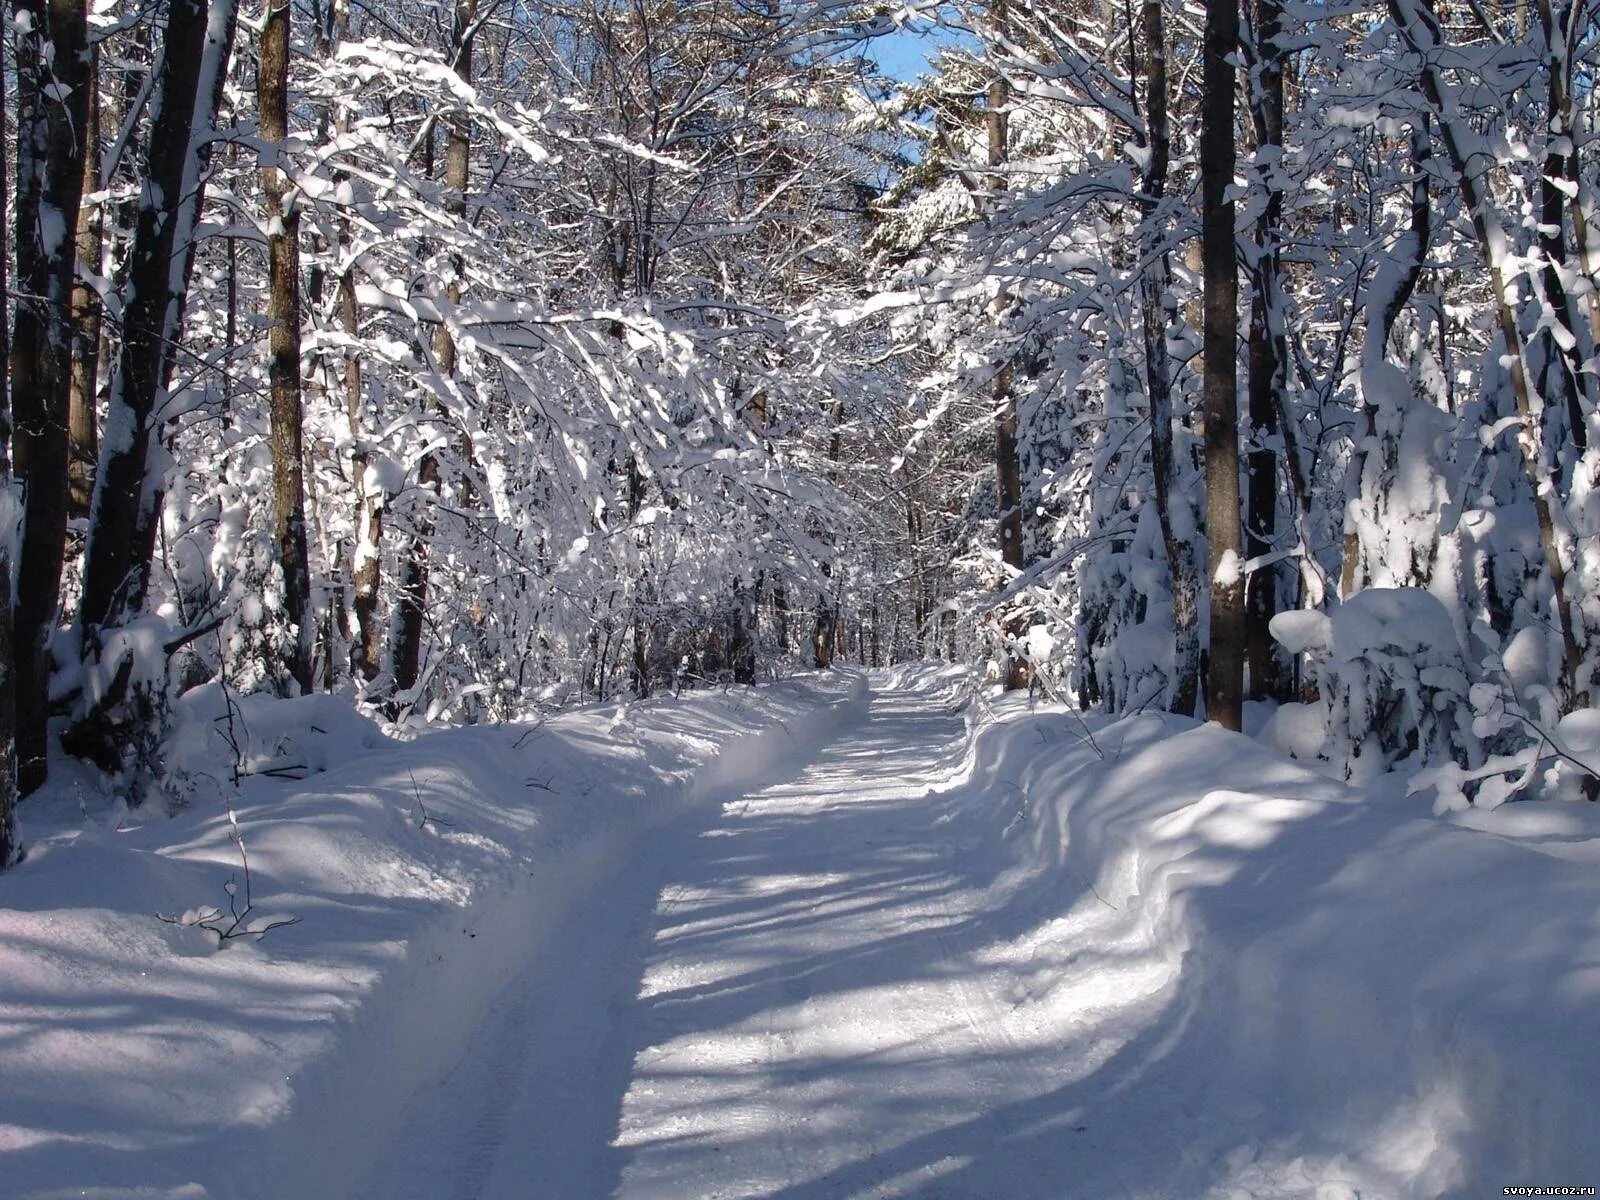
(1342, 995)
(142, 1058)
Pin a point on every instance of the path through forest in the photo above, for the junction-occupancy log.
(803, 995)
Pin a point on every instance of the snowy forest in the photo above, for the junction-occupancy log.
(377, 368)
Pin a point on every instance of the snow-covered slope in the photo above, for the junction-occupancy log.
(1356, 999)
(141, 1060)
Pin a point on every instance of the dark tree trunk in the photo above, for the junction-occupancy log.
(5, 307)
(117, 566)
(82, 428)
(780, 611)
(52, 114)
(1225, 673)
(918, 576)
(127, 503)
(1008, 468)
(414, 587)
(283, 339)
(824, 628)
(1269, 358)
(10, 831)
(742, 640)
(1564, 376)
(1154, 287)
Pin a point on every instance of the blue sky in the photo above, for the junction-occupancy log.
(904, 54)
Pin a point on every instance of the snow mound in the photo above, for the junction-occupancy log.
(1339, 999)
(1391, 683)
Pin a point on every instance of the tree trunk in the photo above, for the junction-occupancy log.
(457, 164)
(366, 648)
(126, 504)
(1154, 287)
(742, 639)
(1008, 468)
(1269, 356)
(193, 66)
(1225, 674)
(10, 831)
(82, 428)
(780, 612)
(1564, 376)
(5, 307)
(826, 615)
(52, 111)
(823, 628)
(283, 338)
(1419, 25)
(414, 591)
(1384, 304)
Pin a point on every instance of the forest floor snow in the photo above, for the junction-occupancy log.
(142, 1059)
(911, 944)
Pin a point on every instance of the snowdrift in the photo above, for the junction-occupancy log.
(142, 1059)
(1346, 997)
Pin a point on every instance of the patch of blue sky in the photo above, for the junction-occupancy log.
(906, 53)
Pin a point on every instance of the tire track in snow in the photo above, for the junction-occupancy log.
(528, 1111)
(808, 995)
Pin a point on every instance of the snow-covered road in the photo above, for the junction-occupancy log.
(789, 999)
(964, 952)
(799, 943)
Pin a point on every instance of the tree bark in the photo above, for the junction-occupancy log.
(52, 110)
(1008, 466)
(10, 831)
(283, 338)
(127, 500)
(1155, 284)
(826, 615)
(414, 587)
(1269, 356)
(366, 648)
(127, 504)
(82, 428)
(1564, 376)
(742, 637)
(1225, 673)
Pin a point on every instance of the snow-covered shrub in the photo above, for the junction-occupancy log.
(1130, 647)
(1391, 681)
(218, 736)
(1525, 745)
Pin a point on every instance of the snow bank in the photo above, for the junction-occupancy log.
(1344, 999)
(144, 1060)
